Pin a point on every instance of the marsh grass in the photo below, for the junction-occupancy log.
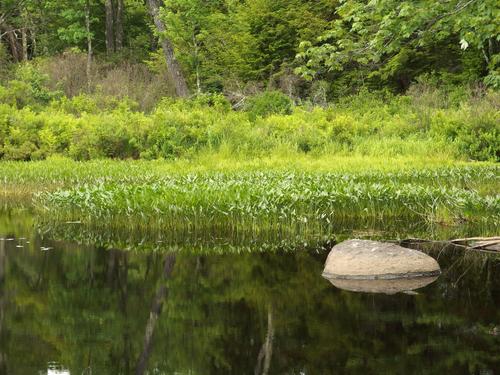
(289, 196)
(273, 199)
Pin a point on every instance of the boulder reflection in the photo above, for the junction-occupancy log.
(392, 286)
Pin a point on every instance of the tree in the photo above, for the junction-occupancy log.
(114, 25)
(14, 29)
(110, 35)
(185, 21)
(223, 44)
(174, 68)
(119, 12)
(387, 35)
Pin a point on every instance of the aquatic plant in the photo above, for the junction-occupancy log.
(274, 198)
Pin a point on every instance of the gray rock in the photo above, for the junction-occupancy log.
(378, 267)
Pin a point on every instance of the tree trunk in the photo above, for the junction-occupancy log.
(24, 39)
(120, 8)
(89, 45)
(13, 44)
(168, 50)
(197, 64)
(110, 39)
(33, 42)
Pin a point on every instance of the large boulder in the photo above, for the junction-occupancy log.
(373, 266)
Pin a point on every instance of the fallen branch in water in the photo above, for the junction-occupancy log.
(490, 244)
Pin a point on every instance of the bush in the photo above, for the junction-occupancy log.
(67, 72)
(94, 126)
(473, 129)
(479, 136)
(268, 103)
(28, 88)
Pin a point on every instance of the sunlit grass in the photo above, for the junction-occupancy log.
(294, 194)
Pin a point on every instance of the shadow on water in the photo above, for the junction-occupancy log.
(71, 297)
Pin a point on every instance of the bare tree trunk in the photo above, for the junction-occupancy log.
(120, 8)
(13, 44)
(110, 39)
(153, 316)
(24, 35)
(197, 62)
(89, 45)
(33, 42)
(168, 50)
(24, 39)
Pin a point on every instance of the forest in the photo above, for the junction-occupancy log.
(176, 79)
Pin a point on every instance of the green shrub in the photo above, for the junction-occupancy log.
(90, 126)
(473, 129)
(28, 88)
(216, 101)
(268, 103)
(479, 137)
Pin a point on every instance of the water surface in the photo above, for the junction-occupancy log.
(228, 308)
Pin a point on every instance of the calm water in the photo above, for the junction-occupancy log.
(96, 309)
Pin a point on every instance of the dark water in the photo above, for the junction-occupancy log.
(80, 309)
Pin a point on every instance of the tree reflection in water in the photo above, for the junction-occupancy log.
(156, 307)
(97, 308)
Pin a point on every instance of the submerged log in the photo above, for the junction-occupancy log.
(487, 244)
(378, 267)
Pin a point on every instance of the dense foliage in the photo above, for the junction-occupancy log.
(312, 77)
(239, 46)
(391, 42)
(456, 124)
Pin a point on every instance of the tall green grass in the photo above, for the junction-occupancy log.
(291, 197)
(22, 179)
(274, 199)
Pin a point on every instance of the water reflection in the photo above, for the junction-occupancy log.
(101, 310)
(391, 286)
(154, 314)
(56, 369)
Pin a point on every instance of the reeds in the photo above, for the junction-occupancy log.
(277, 199)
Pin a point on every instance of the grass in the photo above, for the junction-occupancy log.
(241, 199)
(22, 179)
(269, 193)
